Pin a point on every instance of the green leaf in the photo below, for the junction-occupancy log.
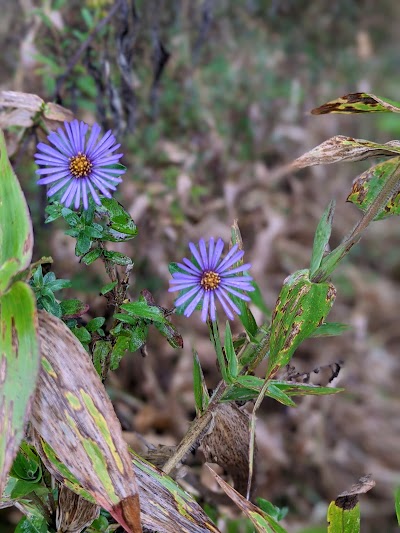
(303, 389)
(275, 393)
(117, 258)
(54, 211)
(109, 287)
(322, 236)
(126, 319)
(16, 236)
(141, 309)
(19, 361)
(330, 329)
(95, 324)
(138, 336)
(358, 103)
(201, 396)
(397, 503)
(82, 334)
(301, 306)
(343, 520)
(83, 243)
(271, 509)
(31, 525)
(120, 347)
(100, 353)
(169, 331)
(23, 488)
(73, 308)
(91, 256)
(367, 187)
(26, 465)
(233, 366)
(121, 227)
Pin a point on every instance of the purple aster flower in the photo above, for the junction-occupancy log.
(82, 166)
(209, 277)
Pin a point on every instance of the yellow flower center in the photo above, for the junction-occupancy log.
(80, 165)
(210, 280)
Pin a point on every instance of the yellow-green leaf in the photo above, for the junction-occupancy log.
(19, 368)
(16, 236)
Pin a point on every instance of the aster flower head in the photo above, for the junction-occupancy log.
(83, 166)
(208, 278)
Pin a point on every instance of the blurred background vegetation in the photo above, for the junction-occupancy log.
(210, 99)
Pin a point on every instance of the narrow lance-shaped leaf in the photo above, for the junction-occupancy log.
(263, 522)
(367, 187)
(344, 512)
(16, 236)
(73, 414)
(19, 368)
(322, 236)
(301, 307)
(343, 149)
(358, 103)
(201, 396)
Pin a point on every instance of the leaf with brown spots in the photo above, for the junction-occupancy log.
(341, 148)
(367, 187)
(358, 103)
(19, 368)
(344, 512)
(301, 307)
(74, 416)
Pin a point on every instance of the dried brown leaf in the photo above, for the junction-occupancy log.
(227, 444)
(74, 513)
(73, 414)
(342, 148)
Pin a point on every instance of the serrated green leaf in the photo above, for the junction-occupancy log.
(91, 256)
(100, 353)
(73, 308)
(82, 334)
(83, 244)
(117, 258)
(23, 488)
(121, 227)
(322, 236)
(19, 361)
(109, 287)
(367, 187)
(201, 396)
(301, 306)
(141, 309)
(119, 349)
(95, 324)
(233, 366)
(358, 103)
(16, 235)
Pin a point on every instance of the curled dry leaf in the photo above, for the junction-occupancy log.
(227, 443)
(358, 103)
(349, 498)
(74, 513)
(20, 110)
(342, 148)
(74, 416)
